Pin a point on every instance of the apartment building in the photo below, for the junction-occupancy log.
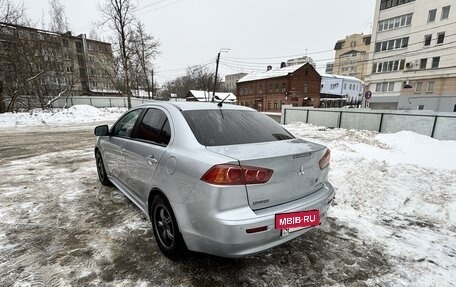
(412, 62)
(231, 80)
(351, 56)
(329, 68)
(39, 64)
(301, 60)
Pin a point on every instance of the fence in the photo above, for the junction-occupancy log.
(99, 102)
(441, 126)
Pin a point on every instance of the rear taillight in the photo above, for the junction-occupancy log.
(230, 174)
(324, 161)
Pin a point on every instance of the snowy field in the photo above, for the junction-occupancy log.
(393, 224)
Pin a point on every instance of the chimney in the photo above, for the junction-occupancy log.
(268, 68)
(282, 65)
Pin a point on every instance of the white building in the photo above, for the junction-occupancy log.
(348, 88)
(231, 80)
(302, 60)
(412, 58)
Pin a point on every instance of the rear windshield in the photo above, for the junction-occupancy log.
(230, 127)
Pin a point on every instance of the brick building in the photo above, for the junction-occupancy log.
(298, 85)
(40, 65)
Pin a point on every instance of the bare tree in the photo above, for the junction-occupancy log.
(11, 13)
(145, 48)
(59, 22)
(119, 14)
(196, 78)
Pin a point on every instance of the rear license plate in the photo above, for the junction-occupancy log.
(297, 220)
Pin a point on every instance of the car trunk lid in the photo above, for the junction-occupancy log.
(295, 164)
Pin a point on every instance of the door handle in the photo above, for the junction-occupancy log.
(151, 160)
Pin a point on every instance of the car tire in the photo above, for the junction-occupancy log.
(102, 176)
(166, 231)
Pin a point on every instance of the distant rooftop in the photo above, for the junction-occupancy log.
(273, 73)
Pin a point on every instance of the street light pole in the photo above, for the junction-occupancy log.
(215, 79)
(216, 71)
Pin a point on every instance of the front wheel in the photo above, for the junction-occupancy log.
(102, 176)
(166, 231)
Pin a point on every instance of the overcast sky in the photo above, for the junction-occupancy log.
(257, 32)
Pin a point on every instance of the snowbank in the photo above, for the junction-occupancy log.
(399, 191)
(74, 114)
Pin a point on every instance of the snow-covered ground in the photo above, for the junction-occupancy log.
(53, 117)
(396, 193)
(398, 190)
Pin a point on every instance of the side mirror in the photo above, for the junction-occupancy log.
(101, 131)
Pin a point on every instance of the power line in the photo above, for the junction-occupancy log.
(158, 8)
(326, 51)
(254, 65)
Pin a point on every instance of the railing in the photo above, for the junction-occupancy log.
(99, 102)
(441, 126)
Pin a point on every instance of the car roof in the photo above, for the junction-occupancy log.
(188, 106)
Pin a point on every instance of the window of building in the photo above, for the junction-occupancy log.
(305, 88)
(431, 15)
(435, 62)
(392, 44)
(385, 87)
(269, 105)
(430, 87)
(386, 4)
(396, 22)
(440, 37)
(276, 106)
(418, 87)
(390, 86)
(423, 63)
(420, 107)
(427, 40)
(389, 66)
(445, 12)
(270, 88)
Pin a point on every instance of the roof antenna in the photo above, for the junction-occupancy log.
(221, 103)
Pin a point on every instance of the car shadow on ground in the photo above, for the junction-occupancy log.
(330, 255)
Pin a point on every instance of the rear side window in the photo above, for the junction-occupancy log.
(230, 127)
(154, 127)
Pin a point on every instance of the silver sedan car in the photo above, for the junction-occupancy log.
(220, 179)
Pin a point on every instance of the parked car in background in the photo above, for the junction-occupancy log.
(219, 179)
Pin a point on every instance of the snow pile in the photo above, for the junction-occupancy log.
(399, 191)
(74, 114)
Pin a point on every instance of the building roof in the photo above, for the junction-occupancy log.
(206, 96)
(341, 77)
(274, 73)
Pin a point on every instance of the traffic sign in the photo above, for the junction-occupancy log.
(368, 95)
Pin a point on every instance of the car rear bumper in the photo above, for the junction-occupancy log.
(223, 233)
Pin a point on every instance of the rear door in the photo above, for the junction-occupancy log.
(144, 152)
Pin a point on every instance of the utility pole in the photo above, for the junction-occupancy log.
(215, 79)
(152, 74)
(216, 71)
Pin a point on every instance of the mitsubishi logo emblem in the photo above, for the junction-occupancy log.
(301, 170)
